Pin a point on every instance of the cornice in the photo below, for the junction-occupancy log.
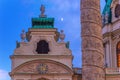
(41, 56)
(118, 20)
(107, 34)
(112, 33)
(37, 74)
(112, 75)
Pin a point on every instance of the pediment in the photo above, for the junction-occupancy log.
(42, 67)
(32, 48)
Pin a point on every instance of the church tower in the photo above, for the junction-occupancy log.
(111, 38)
(42, 57)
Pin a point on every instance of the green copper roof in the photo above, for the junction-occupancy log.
(107, 6)
(107, 11)
(42, 23)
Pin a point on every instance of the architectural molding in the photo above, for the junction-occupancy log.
(30, 67)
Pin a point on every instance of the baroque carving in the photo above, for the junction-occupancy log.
(88, 3)
(93, 58)
(92, 43)
(90, 15)
(29, 68)
(23, 36)
(56, 69)
(33, 68)
(90, 30)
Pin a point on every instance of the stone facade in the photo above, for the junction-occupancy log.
(26, 61)
(111, 38)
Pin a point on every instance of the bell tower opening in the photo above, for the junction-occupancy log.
(42, 47)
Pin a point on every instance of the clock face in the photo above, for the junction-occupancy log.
(42, 68)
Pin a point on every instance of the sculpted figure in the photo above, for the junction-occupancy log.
(23, 36)
(42, 9)
(62, 36)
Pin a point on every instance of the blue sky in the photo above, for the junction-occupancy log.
(16, 15)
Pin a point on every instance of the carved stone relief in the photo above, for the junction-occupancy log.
(90, 15)
(93, 4)
(92, 43)
(93, 58)
(32, 68)
(90, 30)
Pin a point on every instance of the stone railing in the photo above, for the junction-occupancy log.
(107, 70)
(112, 70)
(77, 70)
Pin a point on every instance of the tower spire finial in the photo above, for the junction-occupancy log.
(42, 9)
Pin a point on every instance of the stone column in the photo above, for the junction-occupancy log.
(108, 54)
(92, 46)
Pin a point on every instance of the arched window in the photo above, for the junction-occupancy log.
(118, 54)
(117, 10)
(42, 47)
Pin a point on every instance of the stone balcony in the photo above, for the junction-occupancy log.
(112, 70)
(107, 70)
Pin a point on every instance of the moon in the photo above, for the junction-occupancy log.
(62, 19)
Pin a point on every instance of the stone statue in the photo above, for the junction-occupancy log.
(23, 36)
(62, 36)
(17, 44)
(42, 9)
(68, 44)
(106, 17)
(103, 20)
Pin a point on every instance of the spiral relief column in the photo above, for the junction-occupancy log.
(92, 47)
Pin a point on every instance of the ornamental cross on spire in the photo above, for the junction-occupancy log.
(42, 9)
